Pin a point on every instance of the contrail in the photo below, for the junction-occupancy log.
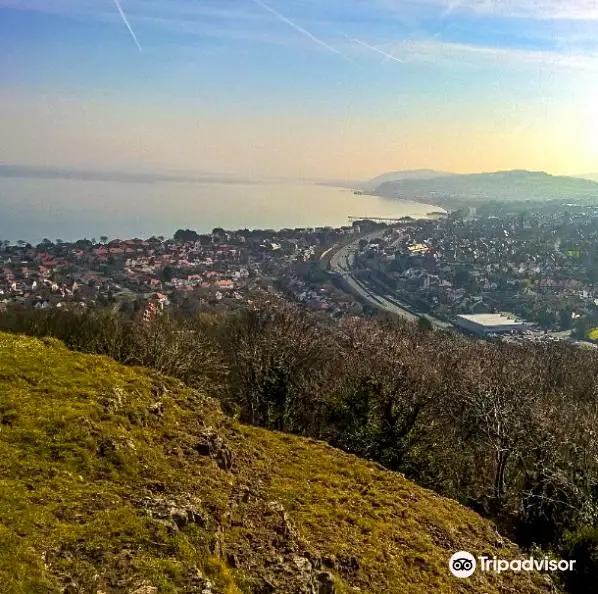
(377, 50)
(126, 21)
(452, 6)
(301, 30)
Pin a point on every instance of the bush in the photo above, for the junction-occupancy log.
(583, 547)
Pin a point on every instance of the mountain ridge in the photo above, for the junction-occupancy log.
(413, 174)
(515, 184)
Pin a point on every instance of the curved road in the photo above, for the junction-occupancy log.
(341, 262)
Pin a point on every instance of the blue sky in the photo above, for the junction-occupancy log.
(300, 87)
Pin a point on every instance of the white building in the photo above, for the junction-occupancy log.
(485, 324)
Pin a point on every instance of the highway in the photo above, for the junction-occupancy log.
(342, 263)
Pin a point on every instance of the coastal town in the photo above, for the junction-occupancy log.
(537, 268)
(189, 272)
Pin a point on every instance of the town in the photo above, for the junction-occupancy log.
(189, 272)
(535, 271)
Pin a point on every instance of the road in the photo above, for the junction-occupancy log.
(342, 263)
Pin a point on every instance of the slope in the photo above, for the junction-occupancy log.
(396, 176)
(116, 479)
(501, 185)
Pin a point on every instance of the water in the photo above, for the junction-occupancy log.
(31, 209)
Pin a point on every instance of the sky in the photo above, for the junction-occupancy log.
(313, 89)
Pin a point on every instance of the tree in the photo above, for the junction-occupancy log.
(582, 546)
(186, 235)
(168, 273)
(565, 319)
(424, 324)
(275, 355)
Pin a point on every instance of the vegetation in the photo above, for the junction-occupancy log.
(118, 479)
(186, 235)
(509, 431)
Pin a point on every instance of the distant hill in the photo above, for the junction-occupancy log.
(118, 480)
(417, 174)
(590, 176)
(502, 185)
(64, 173)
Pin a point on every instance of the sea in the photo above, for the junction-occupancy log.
(68, 209)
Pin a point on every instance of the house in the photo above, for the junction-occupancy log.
(225, 284)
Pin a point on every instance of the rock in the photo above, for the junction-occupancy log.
(329, 562)
(211, 444)
(156, 487)
(266, 588)
(157, 408)
(158, 390)
(198, 583)
(113, 402)
(304, 566)
(175, 514)
(325, 583)
(348, 564)
(145, 589)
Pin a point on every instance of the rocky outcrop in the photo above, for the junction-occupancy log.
(174, 514)
(213, 445)
(289, 563)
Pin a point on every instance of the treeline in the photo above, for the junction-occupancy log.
(511, 431)
(177, 347)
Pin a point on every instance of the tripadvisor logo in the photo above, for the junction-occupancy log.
(464, 564)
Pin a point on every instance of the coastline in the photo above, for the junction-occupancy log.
(440, 209)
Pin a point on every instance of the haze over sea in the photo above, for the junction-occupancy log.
(32, 209)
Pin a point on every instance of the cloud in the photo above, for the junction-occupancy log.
(441, 52)
(533, 9)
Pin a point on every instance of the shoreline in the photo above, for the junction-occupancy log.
(424, 202)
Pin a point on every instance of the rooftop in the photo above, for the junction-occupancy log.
(490, 319)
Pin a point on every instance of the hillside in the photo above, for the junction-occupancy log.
(116, 479)
(394, 176)
(501, 185)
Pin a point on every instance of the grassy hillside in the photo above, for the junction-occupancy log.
(116, 479)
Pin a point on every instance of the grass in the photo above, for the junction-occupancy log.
(85, 444)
